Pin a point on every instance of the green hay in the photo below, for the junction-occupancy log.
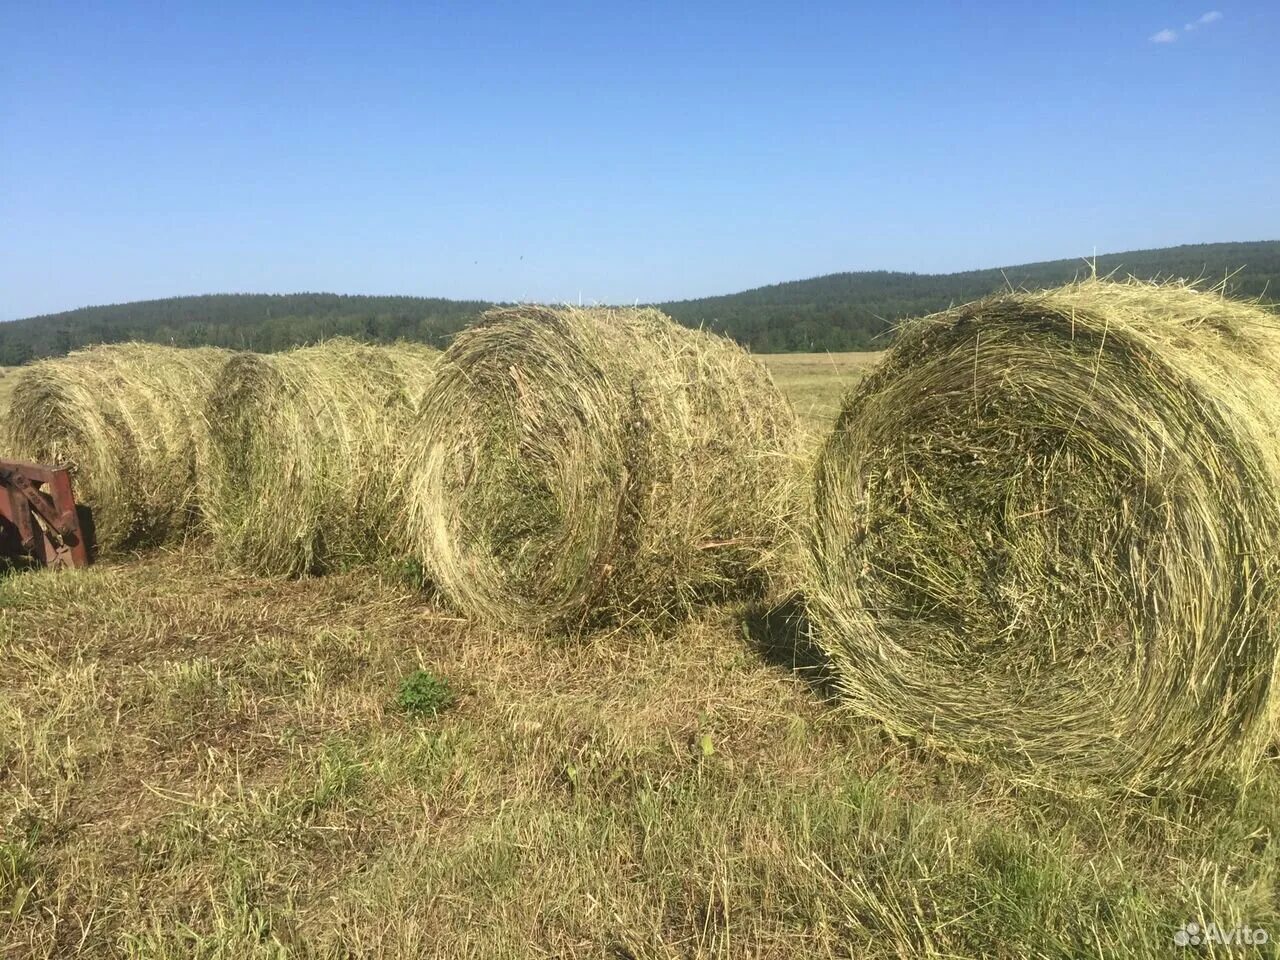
(304, 444)
(1046, 531)
(574, 466)
(127, 419)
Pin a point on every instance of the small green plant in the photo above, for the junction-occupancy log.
(17, 878)
(424, 693)
(408, 571)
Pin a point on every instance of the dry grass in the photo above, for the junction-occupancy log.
(304, 445)
(128, 420)
(1048, 532)
(195, 764)
(8, 377)
(588, 465)
(815, 382)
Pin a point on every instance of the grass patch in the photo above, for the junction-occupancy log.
(203, 764)
(18, 879)
(424, 694)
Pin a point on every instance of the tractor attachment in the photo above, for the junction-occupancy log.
(39, 518)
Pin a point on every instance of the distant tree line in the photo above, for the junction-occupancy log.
(842, 311)
(857, 311)
(261, 322)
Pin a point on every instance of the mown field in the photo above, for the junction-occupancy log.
(196, 764)
(815, 382)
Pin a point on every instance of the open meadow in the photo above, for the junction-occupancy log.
(815, 382)
(201, 764)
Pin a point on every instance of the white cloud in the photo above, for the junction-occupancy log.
(1169, 35)
(1213, 16)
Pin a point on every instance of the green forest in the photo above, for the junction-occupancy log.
(856, 311)
(841, 311)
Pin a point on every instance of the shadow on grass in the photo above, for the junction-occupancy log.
(13, 560)
(782, 636)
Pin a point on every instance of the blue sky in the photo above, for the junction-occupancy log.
(557, 151)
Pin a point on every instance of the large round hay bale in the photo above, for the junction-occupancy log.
(574, 466)
(128, 420)
(303, 447)
(1047, 530)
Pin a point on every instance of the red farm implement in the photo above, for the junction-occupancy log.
(39, 519)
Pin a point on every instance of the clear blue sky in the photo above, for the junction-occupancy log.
(551, 151)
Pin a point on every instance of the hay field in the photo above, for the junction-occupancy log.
(200, 764)
(814, 382)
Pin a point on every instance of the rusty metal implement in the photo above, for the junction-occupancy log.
(39, 518)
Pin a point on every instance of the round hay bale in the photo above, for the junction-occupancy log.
(303, 447)
(127, 419)
(1046, 530)
(576, 466)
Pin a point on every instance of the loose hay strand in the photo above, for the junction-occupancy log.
(128, 420)
(304, 448)
(573, 466)
(1046, 530)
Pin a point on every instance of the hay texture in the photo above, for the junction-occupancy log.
(304, 445)
(579, 466)
(1046, 531)
(128, 420)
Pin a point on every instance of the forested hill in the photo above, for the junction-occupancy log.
(842, 311)
(243, 321)
(852, 311)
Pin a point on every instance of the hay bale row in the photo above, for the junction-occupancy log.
(573, 466)
(1047, 530)
(128, 420)
(303, 449)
